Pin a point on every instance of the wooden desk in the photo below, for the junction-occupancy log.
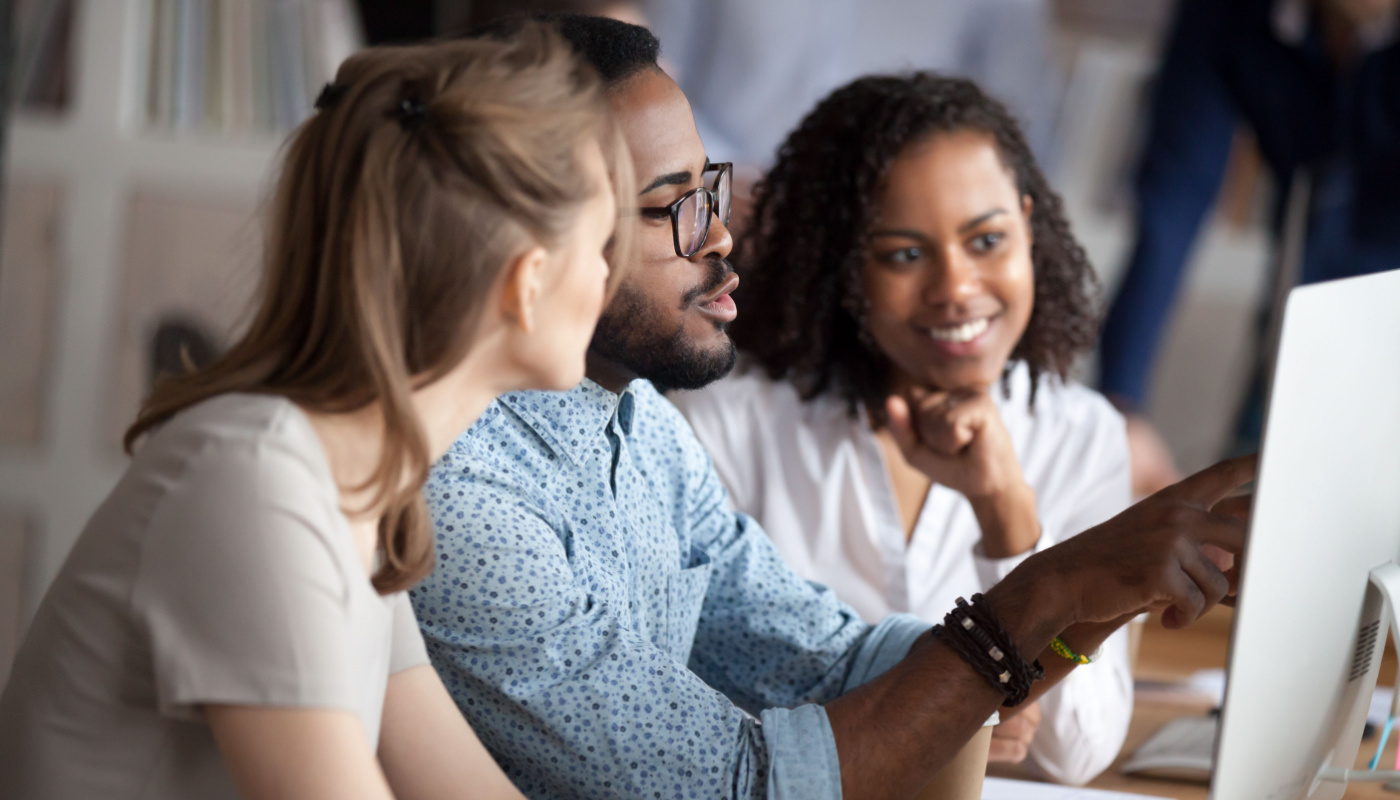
(1175, 655)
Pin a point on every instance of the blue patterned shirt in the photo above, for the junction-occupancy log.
(610, 628)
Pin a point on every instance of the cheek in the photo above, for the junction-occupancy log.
(1016, 286)
(656, 242)
(891, 296)
(586, 293)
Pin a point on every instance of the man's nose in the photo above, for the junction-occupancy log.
(718, 243)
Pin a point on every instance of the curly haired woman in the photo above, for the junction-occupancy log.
(901, 423)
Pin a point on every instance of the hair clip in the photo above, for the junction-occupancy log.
(329, 96)
(411, 112)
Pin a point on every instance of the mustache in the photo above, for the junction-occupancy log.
(720, 270)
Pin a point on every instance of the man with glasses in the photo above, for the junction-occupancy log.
(612, 629)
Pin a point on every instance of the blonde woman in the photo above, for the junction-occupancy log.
(232, 622)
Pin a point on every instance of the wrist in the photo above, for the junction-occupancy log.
(1008, 520)
(1032, 610)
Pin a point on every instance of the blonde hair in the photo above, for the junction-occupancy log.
(427, 169)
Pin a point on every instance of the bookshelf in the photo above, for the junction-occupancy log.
(110, 212)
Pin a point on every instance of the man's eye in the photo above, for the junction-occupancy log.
(985, 242)
(656, 213)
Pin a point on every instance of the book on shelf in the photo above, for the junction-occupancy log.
(244, 66)
(216, 66)
(42, 67)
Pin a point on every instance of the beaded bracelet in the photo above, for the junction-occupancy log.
(1063, 651)
(974, 633)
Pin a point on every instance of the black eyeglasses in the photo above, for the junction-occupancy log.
(692, 214)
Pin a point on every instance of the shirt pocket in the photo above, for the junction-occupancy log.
(686, 593)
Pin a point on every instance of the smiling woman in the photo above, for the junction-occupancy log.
(820, 210)
(948, 280)
(901, 423)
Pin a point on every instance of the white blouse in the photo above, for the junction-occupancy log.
(814, 477)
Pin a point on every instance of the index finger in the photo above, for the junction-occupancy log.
(1225, 533)
(1236, 506)
(1212, 484)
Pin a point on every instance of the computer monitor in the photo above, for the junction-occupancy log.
(1310, 626)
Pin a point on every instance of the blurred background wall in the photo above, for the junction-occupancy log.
(144, 134)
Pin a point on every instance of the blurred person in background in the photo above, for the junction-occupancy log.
(1317, 83)
(752, 69)
(233, 621)
(907, 244)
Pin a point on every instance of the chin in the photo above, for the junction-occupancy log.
(964, 380)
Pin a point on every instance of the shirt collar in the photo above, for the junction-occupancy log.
(1291, 19)
(572, 422)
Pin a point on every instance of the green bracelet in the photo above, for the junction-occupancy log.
(1062, 650)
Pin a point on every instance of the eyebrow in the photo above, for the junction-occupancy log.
(903, 234)
(970, 224)
(669, 179)
(907, 233)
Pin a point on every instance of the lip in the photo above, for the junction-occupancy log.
(719, 306)
(968, 349)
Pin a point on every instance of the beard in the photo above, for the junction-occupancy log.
(633, 333)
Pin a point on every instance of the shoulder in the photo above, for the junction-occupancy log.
(500, 449)
(239, 484)
(657, 420)
(238, 443)
(1067, 419)
(746, 396)
(676, 459)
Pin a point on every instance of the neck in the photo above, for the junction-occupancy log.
(607, 373)
(353, 441)
(448, 407)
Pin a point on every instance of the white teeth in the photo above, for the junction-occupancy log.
(965, 332)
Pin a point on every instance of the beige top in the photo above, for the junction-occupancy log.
(219, 570)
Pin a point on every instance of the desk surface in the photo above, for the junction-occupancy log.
(1174, 655)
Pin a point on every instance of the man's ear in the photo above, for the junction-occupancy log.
(520, 292)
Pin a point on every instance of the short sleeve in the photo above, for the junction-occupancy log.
(242, 589)
(408, 650)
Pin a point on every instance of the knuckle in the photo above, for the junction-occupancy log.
(1220, 584)
(1178, 516)
(1165, 576)
(1195, 597)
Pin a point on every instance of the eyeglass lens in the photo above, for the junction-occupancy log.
(724, 193)
(694, 213)
(693, 222)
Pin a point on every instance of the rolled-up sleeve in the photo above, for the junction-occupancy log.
(779, 645)
(573, 702)
(706, 682)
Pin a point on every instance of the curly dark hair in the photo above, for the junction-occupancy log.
(801, 262)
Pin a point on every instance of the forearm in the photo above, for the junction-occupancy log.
(1008, 521)
(427, 750)
(896, 732)
(280, 753)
